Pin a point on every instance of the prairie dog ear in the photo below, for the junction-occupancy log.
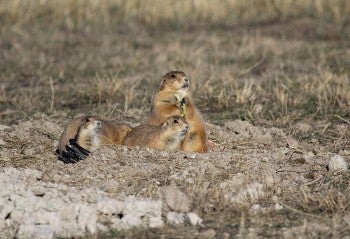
(126, 128)
(161, 86)
(165, 124)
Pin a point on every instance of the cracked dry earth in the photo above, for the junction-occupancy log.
(251, 170)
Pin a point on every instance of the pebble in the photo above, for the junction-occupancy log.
(194, 219)
(175, 218)
(337, 163)
(208, 234)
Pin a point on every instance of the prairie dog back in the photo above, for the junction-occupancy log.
(169, 135)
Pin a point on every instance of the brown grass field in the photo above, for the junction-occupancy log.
(272, 63)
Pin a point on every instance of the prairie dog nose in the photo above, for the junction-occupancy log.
(99, 123)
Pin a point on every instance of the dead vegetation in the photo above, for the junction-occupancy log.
(273, 63)
(75, 14)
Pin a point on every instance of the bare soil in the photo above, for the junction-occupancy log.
(250, 174)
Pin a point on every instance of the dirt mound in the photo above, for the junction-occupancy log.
(250, 169)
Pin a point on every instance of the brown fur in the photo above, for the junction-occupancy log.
(169, 101)
(169, 135)
(70, 132)
(110, 132)
(113, 133)
(88, 135)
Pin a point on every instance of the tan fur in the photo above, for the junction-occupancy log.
(88, 135)
(169, 135)
(113, 133)
(70, 132)
(167, 102)
(109, 133)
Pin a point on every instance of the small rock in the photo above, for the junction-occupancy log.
(337, 163)
(175, 218)
(292, 143)
(208, 234)
(156, 222)
(194, 219)
(174, 200)
(278, 207)
(164, 154)
(255, 207)
(39, 191)
(192, 156)
(257, 108)
(225, 235)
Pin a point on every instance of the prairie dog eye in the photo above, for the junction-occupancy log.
(176, 121)
(173, 76)
(87, 120)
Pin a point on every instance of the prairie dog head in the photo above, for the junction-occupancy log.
(176, 82)
(90, 125)
(177, 126)
(88, 134)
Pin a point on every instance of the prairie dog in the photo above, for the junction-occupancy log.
(70, 132)
(88, 135)
(167, 101)
(174, 98)
(168, 135)
(113, 132)
(108, 132)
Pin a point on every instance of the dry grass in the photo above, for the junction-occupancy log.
(72, 14)
(274, 63)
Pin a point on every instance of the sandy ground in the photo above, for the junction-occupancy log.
(250, 170)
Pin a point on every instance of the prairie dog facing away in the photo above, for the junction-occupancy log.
(168, 135)
(174, 98)
(91, 132)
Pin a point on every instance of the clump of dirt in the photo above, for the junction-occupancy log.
(250, 169)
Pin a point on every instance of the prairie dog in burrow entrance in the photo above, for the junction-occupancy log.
(108, 132)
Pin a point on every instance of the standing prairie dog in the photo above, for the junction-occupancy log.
(82, 128)
(174, 98)
(168, 135)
